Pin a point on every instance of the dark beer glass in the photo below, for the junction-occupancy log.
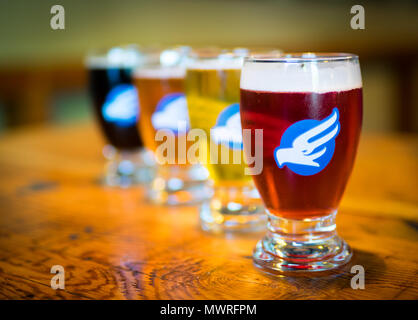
(116, 106)
(310, 109)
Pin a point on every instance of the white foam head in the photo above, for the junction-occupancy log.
(116, 57)
(163, 63)
(216, 59)
(221, 63)
(306, 73)
(160, 73)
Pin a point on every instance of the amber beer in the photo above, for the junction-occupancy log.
(159, 90)
(310, 110)
(164, 123)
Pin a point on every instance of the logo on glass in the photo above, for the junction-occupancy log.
(227, 130)
(171, 109)
(121, 106)
(307, 146)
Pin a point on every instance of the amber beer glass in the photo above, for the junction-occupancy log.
(160, 84)
(310, 109)
(212, 89)
(115, 102)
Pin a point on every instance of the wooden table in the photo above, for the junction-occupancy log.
(114, 245)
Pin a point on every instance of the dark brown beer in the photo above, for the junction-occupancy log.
(116, 105)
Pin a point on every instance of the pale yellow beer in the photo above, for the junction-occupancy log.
(210, 91)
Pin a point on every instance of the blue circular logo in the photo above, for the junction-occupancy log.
(171, 113)
(307, 146)
(122, 106)
(227, 130)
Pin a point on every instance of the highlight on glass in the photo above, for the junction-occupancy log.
(164, 125)
(212, 90)
(116, 107)
(310, 109)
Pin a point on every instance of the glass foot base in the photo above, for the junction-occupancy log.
(179, 186)
(233, 210)
(275, 264)
(218, 221)
(125, 169)
(188, 194)
(301, 246)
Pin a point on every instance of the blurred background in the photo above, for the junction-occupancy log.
(43, 80)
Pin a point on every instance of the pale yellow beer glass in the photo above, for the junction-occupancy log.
(212, 91)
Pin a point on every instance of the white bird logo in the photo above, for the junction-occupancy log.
(170, 112)
(311, 144)
(227, 130)
(121, 105)
(230, 133)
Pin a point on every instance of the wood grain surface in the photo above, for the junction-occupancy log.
(115, 245)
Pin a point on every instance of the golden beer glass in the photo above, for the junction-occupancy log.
(212, 90)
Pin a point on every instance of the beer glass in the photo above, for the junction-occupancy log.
(212, 90)
(116, 107)
(164, 126)
(310, 109)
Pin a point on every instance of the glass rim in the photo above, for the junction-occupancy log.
(302, 57)
(233, 52)
(119, 56)
(214, 53)
(103, 51)
(164, 57)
